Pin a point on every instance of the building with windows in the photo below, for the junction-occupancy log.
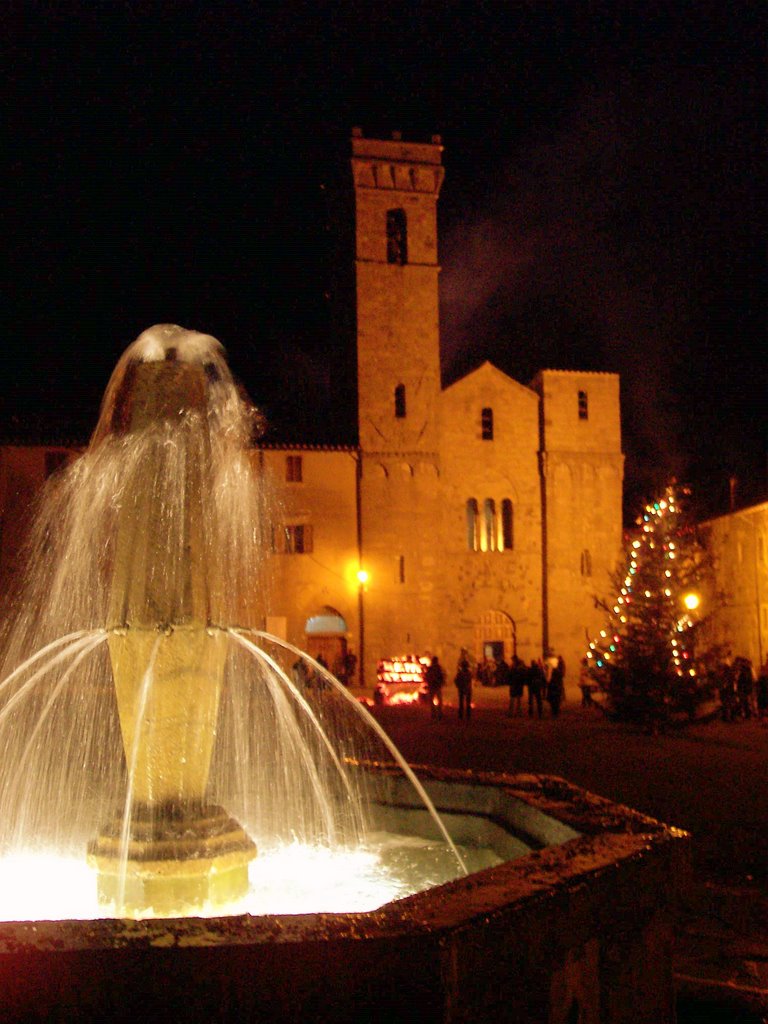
(737, 611)
(484, 516)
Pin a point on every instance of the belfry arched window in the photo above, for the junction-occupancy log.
(397, 237)
(400, 401)
(473, 525)
(489, 522)
(507, 525)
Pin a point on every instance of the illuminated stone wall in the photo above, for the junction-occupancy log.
(582, 478)
(483, 581)
(323, 502)
(737, 609)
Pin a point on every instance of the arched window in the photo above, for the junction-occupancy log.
(473, 525)
(400, 401)
(507, 526)
(489, 515)
(486, 424)
(397, 237)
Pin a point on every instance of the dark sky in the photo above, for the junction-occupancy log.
(188, 163)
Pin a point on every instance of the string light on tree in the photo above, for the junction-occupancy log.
(644, 660)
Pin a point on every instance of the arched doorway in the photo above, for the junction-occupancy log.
(325, 633)
(495, 636)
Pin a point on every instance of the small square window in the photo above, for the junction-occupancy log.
(293, 469)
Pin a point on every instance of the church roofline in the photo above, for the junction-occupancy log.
(576, 373)
(748, 510)
(488, 367)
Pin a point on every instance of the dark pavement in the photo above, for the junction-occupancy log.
(709, 778)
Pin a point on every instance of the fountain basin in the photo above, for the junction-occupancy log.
(577, 927)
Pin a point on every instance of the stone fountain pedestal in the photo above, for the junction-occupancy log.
(170, 851)
(578, 929)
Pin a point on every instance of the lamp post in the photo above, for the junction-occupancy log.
(362, 579)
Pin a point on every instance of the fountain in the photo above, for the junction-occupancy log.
(157, 748)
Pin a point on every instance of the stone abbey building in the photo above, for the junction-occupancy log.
(486, 515)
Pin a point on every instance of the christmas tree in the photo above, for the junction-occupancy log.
(644, 660)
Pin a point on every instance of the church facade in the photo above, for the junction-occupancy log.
(484, 516)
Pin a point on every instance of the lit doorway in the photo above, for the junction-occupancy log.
(325, 636)
(495, 637)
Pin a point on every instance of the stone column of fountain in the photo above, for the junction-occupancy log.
(166, 849)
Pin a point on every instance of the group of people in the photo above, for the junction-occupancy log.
(542, 682)
(308, 678)
(741, 695)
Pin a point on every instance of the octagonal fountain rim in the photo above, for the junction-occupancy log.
(605, 838)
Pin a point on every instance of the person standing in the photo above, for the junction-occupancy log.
(321, 681)
(435, 679)
(744, 687)
(464, 686)
(585, 684)
(762, 693)
(556, 687)
(537, 680)
(517, 676)
(727, 673)
(501, 672)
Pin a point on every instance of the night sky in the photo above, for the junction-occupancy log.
(189, 163)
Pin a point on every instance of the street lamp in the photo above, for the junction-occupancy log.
(362, 576)
(691, 601)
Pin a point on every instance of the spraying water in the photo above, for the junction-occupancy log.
(154, 744)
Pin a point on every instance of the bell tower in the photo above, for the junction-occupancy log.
(397, 184)
(398, 344)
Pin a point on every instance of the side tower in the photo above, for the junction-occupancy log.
(397, 184)
(582, 474)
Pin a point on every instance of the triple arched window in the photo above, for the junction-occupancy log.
(490, 527)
